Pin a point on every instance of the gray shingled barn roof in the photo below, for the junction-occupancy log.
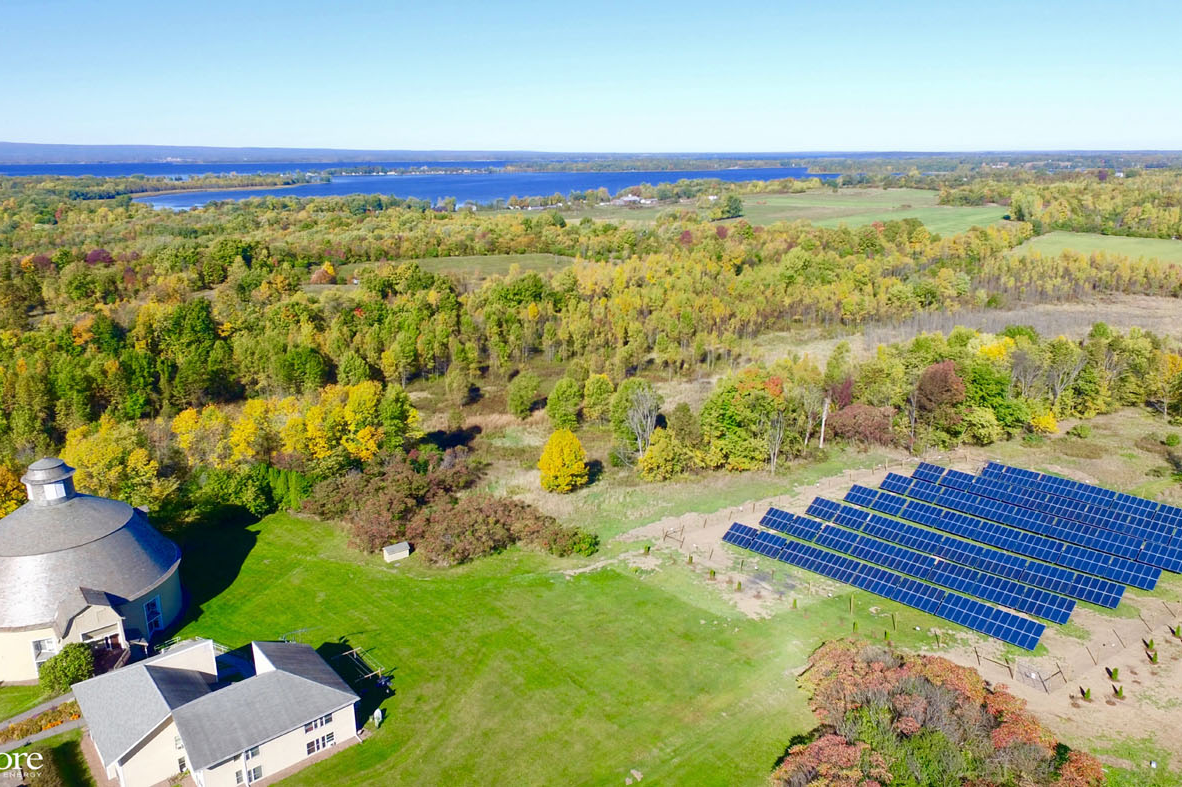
(48, 552)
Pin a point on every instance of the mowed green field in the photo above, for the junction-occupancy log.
(1089, 242)
(826, 208)
(858, 207)
(509, 671)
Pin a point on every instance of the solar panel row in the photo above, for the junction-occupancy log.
(1129, 541)
(1066, 508)
(1161, 513)
(1011, 538)
(1003, 625)
(1159, 522)
(930, 568)
(1047, 575)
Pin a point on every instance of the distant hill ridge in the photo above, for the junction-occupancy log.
(37, 153)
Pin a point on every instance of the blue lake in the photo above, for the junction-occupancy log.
(480, 187)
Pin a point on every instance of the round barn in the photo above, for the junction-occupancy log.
(79, 568)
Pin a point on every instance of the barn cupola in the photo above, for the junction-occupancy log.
(49, 481)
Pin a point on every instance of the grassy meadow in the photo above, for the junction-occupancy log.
(826, 208)
(1089, 243)
(516, 670)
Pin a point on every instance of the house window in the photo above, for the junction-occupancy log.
(43, 649)
(181, 765)
(238, 777)
(255, 773)
(179, 743)
(323, 742)
(253, 751)
(152, 615)
(323, 720)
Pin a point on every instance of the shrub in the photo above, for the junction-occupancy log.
(927, 720)
(864, 424)
(981, 426)
(377, 504)
(562, 405)
(1044, 424)
(563, 463)
(74, 663)
(597, 397)
(481, 525)
(522, 391)
(1172, 439)
(1082, 431)
(667, 457)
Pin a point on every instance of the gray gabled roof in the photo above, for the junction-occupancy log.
(304, 661)
(123, 706)
(227, 722)
(74, 603)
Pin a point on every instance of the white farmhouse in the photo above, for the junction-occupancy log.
(169, 715)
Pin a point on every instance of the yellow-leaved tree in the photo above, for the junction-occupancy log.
(12, 492)
(112, 460)
(563, 463)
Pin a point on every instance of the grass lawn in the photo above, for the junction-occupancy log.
(825, 208)
(15, 699)
(628, 502)
(858, 207)
(66, 751)
(508, 671)
(1089, 242)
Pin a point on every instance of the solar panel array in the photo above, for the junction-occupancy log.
(1159, 524)
(1082, 494)
(1024, 540)
(844, 536)
(1047, 575)
(1006, 626)
(1145, 542)
(1015, 532)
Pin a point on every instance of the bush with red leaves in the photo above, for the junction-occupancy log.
(864, 424)
(887, 717)
(416, 498)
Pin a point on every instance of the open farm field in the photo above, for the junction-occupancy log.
(827, 208)
(511, 671)
(1090, 242)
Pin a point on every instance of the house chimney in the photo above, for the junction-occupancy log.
(49, 481)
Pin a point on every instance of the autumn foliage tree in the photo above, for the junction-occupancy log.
(563, 464)
(887, 717)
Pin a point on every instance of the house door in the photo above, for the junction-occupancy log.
(152, 616)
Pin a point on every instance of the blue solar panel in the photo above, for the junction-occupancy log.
(998, 623)
(927, 565)
(1005, 536)
(797, 526)
(1155, 522)
(1054, 578)
(1071, 520)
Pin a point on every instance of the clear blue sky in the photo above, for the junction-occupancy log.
(645, 75)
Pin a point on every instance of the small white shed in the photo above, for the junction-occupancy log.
(396, 551)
